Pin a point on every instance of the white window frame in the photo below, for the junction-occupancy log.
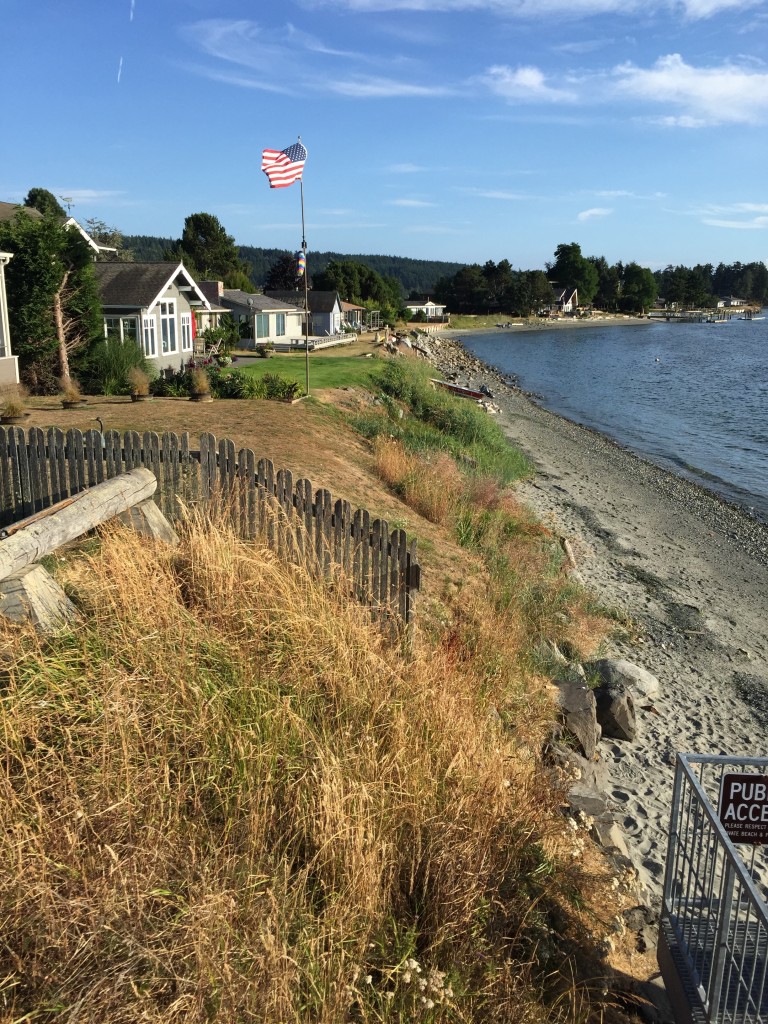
(168, 326)
(279, 325)
(185, 323)
(149, 335)
(262, 325)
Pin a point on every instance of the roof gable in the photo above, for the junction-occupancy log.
(142, 285)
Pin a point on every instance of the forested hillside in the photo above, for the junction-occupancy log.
(413, 275)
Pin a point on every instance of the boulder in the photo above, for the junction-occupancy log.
(617, 670)
(615, 711)
(578, 710)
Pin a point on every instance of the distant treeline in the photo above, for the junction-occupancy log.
(703, 284)
(414, 275)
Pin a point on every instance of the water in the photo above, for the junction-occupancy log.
(690, 397)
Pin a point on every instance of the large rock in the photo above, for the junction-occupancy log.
(615, 711)
(617, 670)
(578, 709)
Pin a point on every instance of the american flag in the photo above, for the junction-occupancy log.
(283, 166)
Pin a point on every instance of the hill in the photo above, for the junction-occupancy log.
(413, 275)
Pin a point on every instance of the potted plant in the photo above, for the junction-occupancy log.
(70, 393)
(139, 384)
(13, 411)
(200, 386)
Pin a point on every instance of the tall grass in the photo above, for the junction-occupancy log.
(225, 798)
(438, 421)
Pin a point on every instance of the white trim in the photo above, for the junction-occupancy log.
(149, 333)
(185, 327)
(180, 269)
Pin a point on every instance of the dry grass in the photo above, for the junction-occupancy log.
(225, 798)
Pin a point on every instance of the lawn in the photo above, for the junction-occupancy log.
(325, 371)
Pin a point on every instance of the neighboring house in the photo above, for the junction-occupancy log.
(153, 305)
(270, 320)
(565, 300)
(9, 210)
(432, 310)
(731, 300)
(325, 313)
(352, 315)
(9, 364)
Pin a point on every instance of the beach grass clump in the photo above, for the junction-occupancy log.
(425, 418)
(227, 797)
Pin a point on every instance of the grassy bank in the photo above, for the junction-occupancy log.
(233, 800)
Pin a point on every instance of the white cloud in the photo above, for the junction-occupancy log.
(523, 84)
(88, 195)
(368, 87)
(290, 61)
(728, 94)
(756, 224)
(414, 203)
(595, 211)
(406, 168)
(692, 9)
(500, 194)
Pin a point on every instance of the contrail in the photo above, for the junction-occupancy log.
(119, 70)
(133, 8)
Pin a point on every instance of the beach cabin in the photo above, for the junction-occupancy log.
(152, 305)
(430, 309)
(269, 320)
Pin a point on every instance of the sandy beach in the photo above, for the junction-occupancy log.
(687, 570)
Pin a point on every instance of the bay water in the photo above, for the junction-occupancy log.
(692, 398)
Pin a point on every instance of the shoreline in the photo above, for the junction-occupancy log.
(686, 569)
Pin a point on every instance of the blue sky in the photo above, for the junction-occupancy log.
(463, 130)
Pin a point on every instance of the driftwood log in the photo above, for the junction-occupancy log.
(77, 516)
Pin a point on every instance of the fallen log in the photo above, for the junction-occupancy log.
(86, 511)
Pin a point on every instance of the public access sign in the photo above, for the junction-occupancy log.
(744, 808)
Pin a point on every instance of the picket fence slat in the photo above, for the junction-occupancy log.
(302, 525)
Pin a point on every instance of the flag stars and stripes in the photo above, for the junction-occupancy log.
(284, 166)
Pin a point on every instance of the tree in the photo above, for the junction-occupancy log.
(102, 234)
(282, 276)
(357, 283)
(45, 202)
(638, 288)
(209, 252)
(571, 269)
(53, 301)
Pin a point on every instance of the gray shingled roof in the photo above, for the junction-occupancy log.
(319, 302)
(261, 303)
(132, 284)
(9, 210)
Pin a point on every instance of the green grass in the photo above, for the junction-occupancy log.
(324, 371)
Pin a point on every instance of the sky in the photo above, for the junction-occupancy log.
(462, 130)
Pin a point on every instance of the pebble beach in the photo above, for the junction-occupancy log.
(687, 570)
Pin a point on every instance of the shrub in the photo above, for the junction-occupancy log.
(278, 387)
(138, 381)
(199, 382)
(70, 390)
(106, 370)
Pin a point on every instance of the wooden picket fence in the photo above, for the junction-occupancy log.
(40, 468)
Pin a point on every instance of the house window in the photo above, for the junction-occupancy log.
(150, 341)
(185, 321)
(280, 325)
(168, 326)
(130, 329)
(262, 325)
(112, 327)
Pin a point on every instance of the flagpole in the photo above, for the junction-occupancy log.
(306, 289)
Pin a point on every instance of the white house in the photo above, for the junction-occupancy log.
(325, 312)
(271, 320)
(565, 300)
(9, 364)
(432, 310)
(152, 305)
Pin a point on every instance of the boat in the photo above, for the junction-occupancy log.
(457, 389)
(751, 318)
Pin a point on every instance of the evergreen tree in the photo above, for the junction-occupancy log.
(45, 202)
(53, 302)
(282, 276)
(209, 253)
(571, 269)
